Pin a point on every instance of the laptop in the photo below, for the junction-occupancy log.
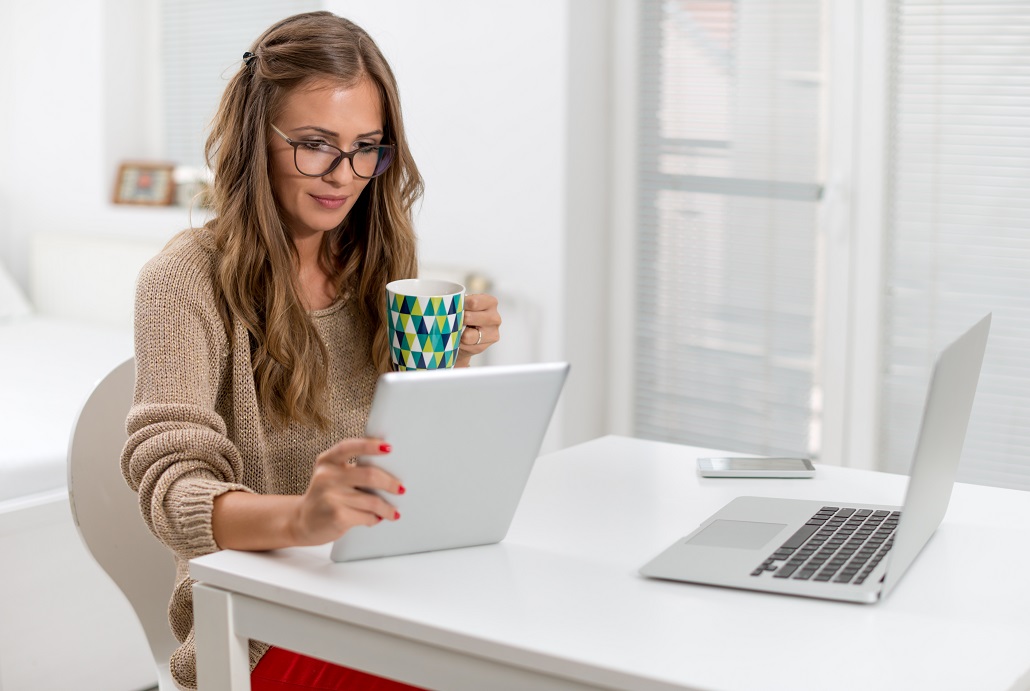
(464, 441)
(834, 550)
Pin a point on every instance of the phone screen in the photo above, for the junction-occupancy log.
(737, 466)
(759, 464)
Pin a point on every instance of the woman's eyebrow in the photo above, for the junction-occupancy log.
(330, 133)
(319, 130)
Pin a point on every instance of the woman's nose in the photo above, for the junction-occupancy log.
(343, 172)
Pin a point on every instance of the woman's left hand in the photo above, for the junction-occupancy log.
(482, 327)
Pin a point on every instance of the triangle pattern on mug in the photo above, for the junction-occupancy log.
(424, 331)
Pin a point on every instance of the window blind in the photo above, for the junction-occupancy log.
(958, 226)
(728, 184)
(202, 44)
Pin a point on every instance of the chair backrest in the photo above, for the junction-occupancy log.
(106, 513)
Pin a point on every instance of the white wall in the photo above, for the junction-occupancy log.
(6, 168)
(76, 101)
(510, 141)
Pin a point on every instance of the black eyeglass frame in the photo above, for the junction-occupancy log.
(340, 158)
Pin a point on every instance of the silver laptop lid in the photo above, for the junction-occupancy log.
(949, 401)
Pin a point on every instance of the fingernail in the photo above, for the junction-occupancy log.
(401, 490)
(385, 448)
(396, 515)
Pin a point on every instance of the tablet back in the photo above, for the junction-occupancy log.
(464, 441)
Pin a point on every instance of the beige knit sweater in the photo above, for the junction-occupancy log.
(196, 429)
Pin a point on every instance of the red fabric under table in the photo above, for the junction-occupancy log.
(284, 670)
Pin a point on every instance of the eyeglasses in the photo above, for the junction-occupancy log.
(316, 159)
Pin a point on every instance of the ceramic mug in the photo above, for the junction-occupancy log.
(425, 317)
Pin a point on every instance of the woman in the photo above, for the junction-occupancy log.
(259, 338)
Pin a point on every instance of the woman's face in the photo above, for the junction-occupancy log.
(322, 111)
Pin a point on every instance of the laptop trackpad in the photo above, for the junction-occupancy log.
(740, 534)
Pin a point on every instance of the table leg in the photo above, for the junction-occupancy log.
(223, 659)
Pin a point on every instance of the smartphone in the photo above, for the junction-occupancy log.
(755, 467)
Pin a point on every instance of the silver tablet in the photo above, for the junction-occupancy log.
(464, 442)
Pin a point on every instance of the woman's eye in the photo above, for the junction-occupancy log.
(317, 146)
(368, 148)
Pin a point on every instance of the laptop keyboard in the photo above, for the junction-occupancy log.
(841, 545)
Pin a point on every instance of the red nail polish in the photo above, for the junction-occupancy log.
(385, 448)
(396, 515)
(401, 490)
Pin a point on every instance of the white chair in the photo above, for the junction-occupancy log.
(107, 515)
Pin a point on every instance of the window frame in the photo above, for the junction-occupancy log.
(849, 302)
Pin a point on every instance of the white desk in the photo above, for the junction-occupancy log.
(559, 604)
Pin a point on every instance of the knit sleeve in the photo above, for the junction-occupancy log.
(178, 456)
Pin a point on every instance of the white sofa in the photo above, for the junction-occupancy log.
(63, 623)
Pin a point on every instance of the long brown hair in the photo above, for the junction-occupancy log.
(374, 245)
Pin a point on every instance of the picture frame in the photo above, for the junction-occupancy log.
(146, 183)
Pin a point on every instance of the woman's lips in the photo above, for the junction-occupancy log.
(330, 202)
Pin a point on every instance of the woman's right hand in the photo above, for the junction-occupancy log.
(339, 494)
